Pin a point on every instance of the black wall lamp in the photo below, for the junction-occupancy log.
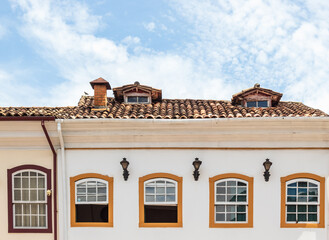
(196, 164)
(267, 165)
(124, 163)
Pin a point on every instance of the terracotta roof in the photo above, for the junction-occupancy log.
(165, 109)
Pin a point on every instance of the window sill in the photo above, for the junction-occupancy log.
(230, 225)
(92, 224)
(161, 225)
(302, 225)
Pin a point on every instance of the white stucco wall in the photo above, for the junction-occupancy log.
(196, 193)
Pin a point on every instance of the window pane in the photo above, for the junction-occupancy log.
(101, 198)
(312, 217)
(33, 195)
(242, 190)
(220, 198)
(81, 190)
(102, 190)
(170, 198)
(25, 182)
(231, 183)
(262, 103)
(150, 189)
(230, 208)
(34, 208)
(81, 199)
(26, 221)
(170, 190)
(142, 99)
(221, 184)
(291, 218)
(91, 190)
(313, 191)
(17, 195)
(18, 208)
(302, 191)
(231, 190)
(26, 208)
(220, 217)
(291, 199)
(160, 198)
(42, 195)
(25, 173)
(42, 221)
(231, 198)
(18, 221)
(251, 104)
(230, 217)
(132, 99)
(34, 221)
(25, 195)
(302, 217)
(312, 199)
(91, 198)
(242, 184)
(241, 217)
(312, 208)
(241, 208)
(292, 191)
(242, 198)
(17, 182)
(312, 185)
(42, 208)
(301, 208)
(41, 182)
(302, 199)
(33, 182)
(160, 190)
(221, 190)
(150, 198)
(292, 185)
(220, 208)
(302, 184)
(291, 208)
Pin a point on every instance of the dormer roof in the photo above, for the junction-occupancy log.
(239, 98)
(119, 92)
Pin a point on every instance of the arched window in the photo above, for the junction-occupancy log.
(29, 199)
(160, 200)
(231, 200)
(91, 200)
(302, 203)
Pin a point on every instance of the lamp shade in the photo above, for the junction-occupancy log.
(267, 164)
(196, 163)
(124, 163)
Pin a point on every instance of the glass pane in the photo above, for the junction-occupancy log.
(231, 198)
(17, 183)
(230, 208)
(313, 191)
(302, 191)
(291, 218)
(302, 217)
(91, 190)
(34, 221)
(41, 182)
(312, 217)
(33, 174)
(18, 208)
(291, 208)
(220, 217)
(132, 99)
(26, 221)
(302, 199)
(220, 208)
(150, 189)
(25, 182)
(312, 184)
(231, 183)
(242, 190)
(42, 208)
(160, 190)
(18, 221)
(101, 198)
(160, 198)
(33, 195)
(170, 190)
(251, 104)
(170, 184)
(241, 208)
(25, 196)
(312, 199)
(301, 208)
(302, 184)
(42, 221)
(231, 190)
(91, 198)
(26, 208)
(33, 183)
(242, 198)
(221, 190)
(241, 217)
(34, 208)
(160, 182)
(150, 198)
(170, 198)
(18, 174)
(291, 199)
(230, 217)
(221, 184)
(292, 185)
(100, 184)
(42, 195)
(81, 190)
(81, 198)
(25, 173)
(312, 208)
(242, 184)
(220, 198)
(292, 191)
(17, 195)
(142, 99)
(102, 190)
(262, 103)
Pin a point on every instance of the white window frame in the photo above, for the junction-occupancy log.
(161, 203)
(135, 94)
(257, 102)
(296, 180)
(216, 203)
(86, 180)
(29, 202)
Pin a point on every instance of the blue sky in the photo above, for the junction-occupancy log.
(51, 50)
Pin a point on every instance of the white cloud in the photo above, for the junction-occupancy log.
(150, 26)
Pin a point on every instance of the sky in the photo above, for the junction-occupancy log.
(50, 50)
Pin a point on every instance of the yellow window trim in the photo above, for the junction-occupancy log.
(311, 176)
(110, 199)
(179, 181)
(212, 180)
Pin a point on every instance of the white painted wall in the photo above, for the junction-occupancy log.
(196, 194)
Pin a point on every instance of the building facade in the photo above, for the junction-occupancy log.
(63, 178)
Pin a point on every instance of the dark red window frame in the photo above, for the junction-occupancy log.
(10, 173)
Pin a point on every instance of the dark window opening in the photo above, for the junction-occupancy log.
(91, 213)
(251, 104)
(160, 214)
(138, 99)
(262, 103)
(257, 104)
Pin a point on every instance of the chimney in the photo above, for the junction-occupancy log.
(100, 87)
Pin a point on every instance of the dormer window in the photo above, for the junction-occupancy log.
(256, 97)
(137, 94)
(257, 104)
